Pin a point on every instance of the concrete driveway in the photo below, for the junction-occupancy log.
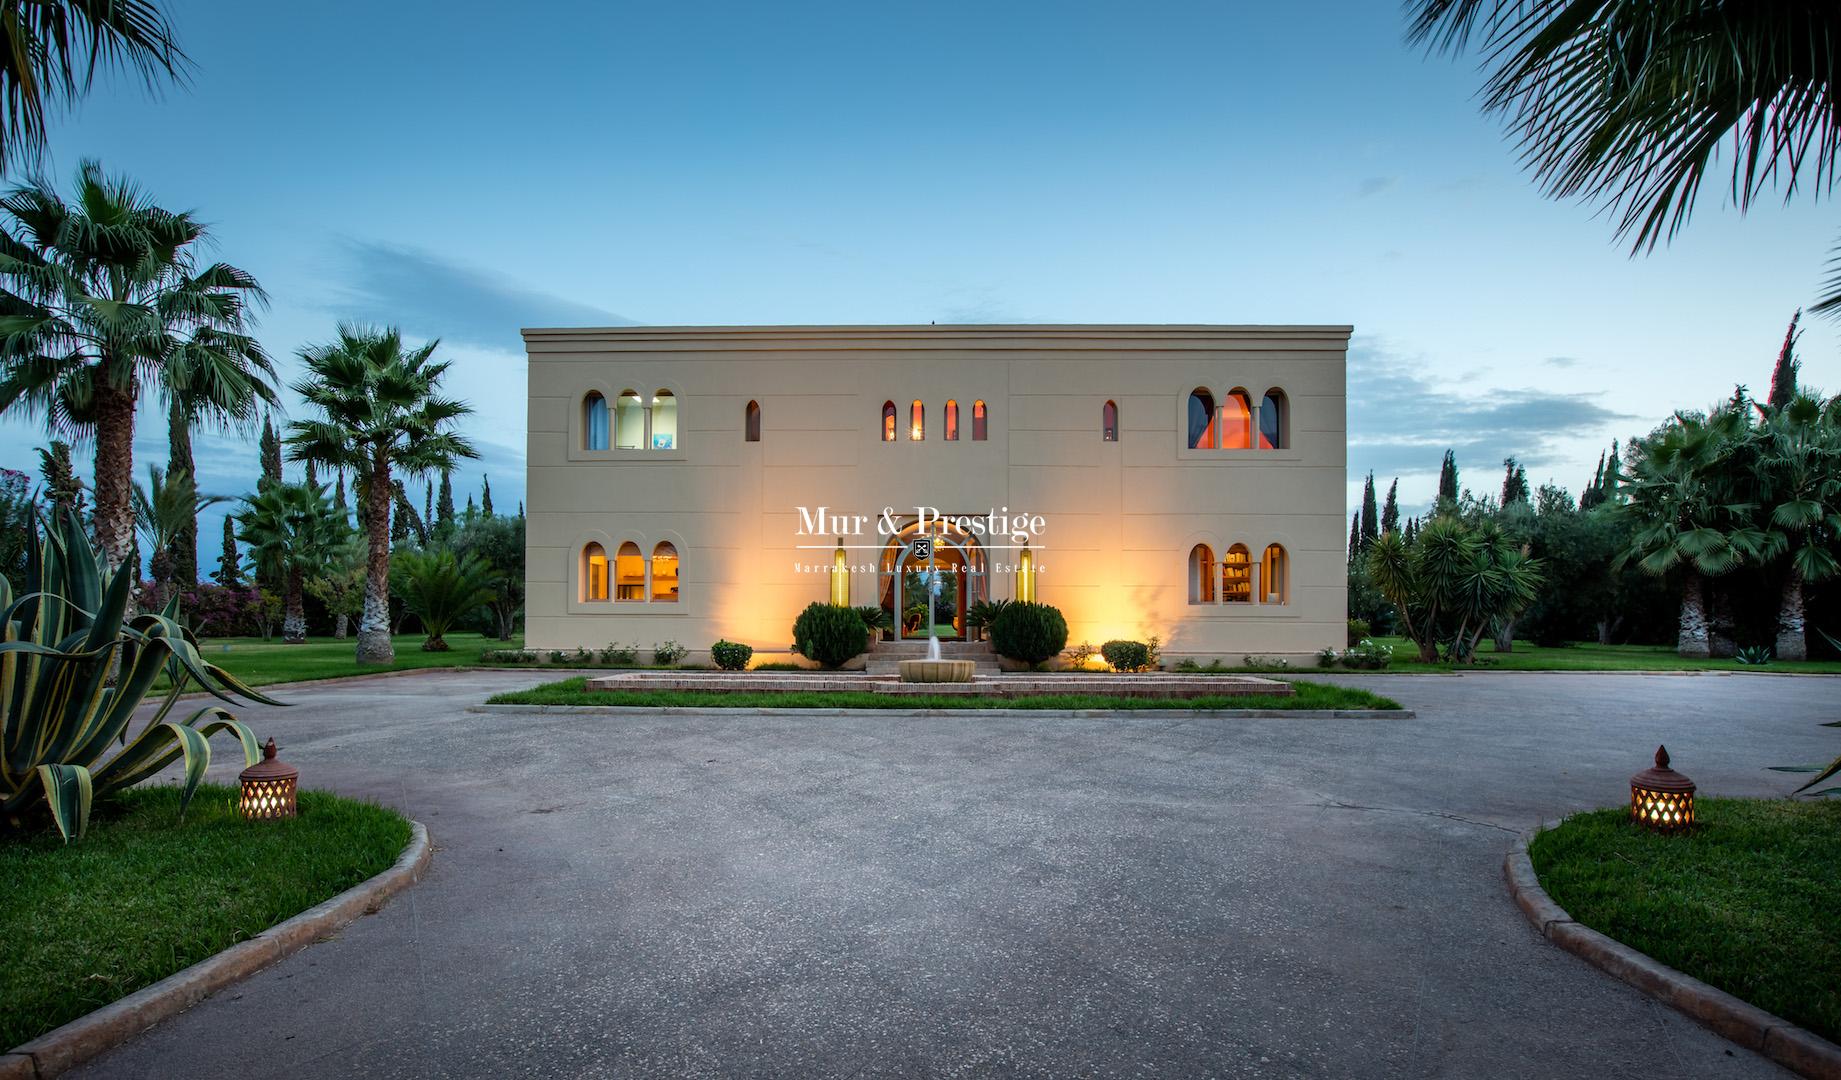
(832, 897)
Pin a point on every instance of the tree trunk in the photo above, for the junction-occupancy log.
(338, 625)
(374, 645)
(1692, 638)
(294, 622)
(183, 555)
(114, 475)
(1791, 641)
(1505, 636)
(1720, 643)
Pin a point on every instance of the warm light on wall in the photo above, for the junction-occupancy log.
(1026, 576)
(840, 576)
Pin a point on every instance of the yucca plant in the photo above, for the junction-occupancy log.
(60, 635)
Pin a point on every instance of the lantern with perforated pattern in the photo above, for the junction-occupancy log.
(1661, 799)
(268, 787)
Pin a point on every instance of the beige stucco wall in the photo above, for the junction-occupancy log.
(1121, 517)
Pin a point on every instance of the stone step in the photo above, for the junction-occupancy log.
(911, 649)
(893, 666)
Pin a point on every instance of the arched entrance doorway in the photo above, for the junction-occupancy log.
(901, 580)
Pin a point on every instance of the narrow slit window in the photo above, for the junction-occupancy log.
(888, 421)
(952, 420)
(1109, 422)
(752, 422)
(978, 421)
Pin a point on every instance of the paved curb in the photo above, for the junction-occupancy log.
(1792, 1047)
(85, 1037)
(966, 713)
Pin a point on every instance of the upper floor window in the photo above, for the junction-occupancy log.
(952, 420)
(752, 422)
(664, 421)
(888, 421)
(1109, 422)
(594, 572)
(594, 421)
(1201, 419)
(630, 421)
(978, 429)
(917, 421)
(1236, 421)
(1272, 426)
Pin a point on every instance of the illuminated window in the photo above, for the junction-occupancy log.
(1109, 422)
(594, 421)
(664, 573)
(1201, 419)
(1237, 421)
(978, 431)
(753, 422)
(630, 573)
(1273, 575)
(1201, 574)
(888, 421)
(1237, 575)
(952, 420)
(1272, 421)
(917, 421)
(594, 572)
(664, 421)
(630, 421)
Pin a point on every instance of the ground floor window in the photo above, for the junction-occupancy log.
(630, 573)
(1237, 575)
(665, 573)
(1274, 576)
(594, 572)
(1201, 574)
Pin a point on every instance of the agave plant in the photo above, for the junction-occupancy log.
(60, 636)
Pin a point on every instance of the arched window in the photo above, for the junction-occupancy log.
(1274, 576)
(752, 422)
(1237, 575)
(952, 420)
(594, 421)
(1273, 428)
(1201, 574)
(1109, 422)
(594, 572)
(664, 421)
(888, 421)
(1201, 419)
(630, 421)
(917, 421)
(1237, 421)
(978, 430)
(629, 573)
(664, 573)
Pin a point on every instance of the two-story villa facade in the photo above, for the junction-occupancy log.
(692, 484)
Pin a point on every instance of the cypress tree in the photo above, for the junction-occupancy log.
(1514, 482)
(229, 572)
(1783, 376)
(1447, 480)
(1370, 516)
(485, 497)
(271, 455)
(1390, 509)
(1594, 491)
(444, 503)
(1608, 486)
(1355, 535)
(428, 501)
(405, 523)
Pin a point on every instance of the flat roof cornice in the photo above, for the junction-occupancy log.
(957, 336)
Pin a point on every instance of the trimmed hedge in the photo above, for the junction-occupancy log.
(731, 655)
(1029, 632)
(1126, 655)
(829, 634)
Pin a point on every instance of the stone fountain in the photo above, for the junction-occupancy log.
(935, 670)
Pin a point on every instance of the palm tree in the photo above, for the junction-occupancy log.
(94, 296)
(163, 510)
(1800, 462)
(381, 412)
(292, 531)
(1632, 103)
(193, 401)
(53, 49)
(1689, 492)
(440, 589)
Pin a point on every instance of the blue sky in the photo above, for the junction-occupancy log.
(466, 171)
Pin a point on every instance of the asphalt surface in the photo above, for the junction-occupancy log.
(841, 896)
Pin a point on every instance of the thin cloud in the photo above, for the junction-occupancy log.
(1374, 185)
(431, 296)
(1561, 361)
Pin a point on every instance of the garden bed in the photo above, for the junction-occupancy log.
(144, 895)
(1749, 902)
(1304, 695)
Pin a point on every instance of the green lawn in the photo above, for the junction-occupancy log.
(260, 662)
(574, 691)
(1580, 656)
(1750, 902)
(144, 895)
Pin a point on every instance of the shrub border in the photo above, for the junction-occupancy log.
(64, 1048)
(1797, 1049)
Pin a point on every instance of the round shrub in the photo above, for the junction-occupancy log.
(1359, 631)
(731, 655)
(1029, 632)
(1126, 655)
(829, 634)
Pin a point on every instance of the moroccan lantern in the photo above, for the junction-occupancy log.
(1661, 799)
(268, 787)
